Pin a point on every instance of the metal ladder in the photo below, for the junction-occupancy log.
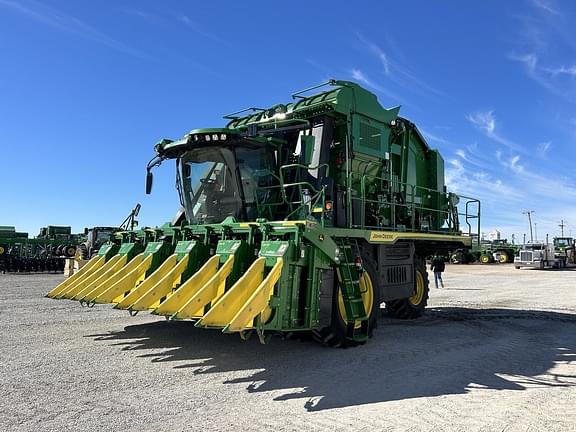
(349, 279)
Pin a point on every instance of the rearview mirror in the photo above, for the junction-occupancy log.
(149, 181)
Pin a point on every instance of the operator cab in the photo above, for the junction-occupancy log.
(216, 182)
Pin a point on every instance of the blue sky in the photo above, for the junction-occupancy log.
(87, 88)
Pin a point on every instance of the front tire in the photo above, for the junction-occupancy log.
(412, 307)
(457, 258)
(335, 335)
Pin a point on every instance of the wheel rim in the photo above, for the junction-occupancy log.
(484, 259)
(367, 293)
(503, 258)
(416, 299)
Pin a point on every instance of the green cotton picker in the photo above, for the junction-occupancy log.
(304, 217)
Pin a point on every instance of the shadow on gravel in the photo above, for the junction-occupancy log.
(449, 351)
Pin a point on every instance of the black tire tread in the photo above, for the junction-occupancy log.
(334, 336)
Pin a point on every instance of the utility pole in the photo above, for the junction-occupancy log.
(562, 225)
(529, 213)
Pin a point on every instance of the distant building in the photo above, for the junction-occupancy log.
(494, 235)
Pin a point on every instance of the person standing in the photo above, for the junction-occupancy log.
(437, 266)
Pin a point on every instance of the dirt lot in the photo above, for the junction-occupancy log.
(496, 351)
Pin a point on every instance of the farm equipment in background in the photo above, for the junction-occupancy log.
(303, 217)
(565, 250)
(95, 237)
(59, 238)
(467, 255)
(499, 251)
(46, 252)
(486, 252)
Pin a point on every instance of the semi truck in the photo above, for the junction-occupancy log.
(537, 255)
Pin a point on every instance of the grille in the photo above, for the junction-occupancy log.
(525, 256)
(396, 274)
(370, 136)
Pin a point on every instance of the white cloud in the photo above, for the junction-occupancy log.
(562, 70)
(69, 24)
(530, 61)
(546, 6)
(511, 163)
(432, 137)
(506, 185)
(543, 149)
(395, 71)
(486, 122)
(483, 120)
(198, 28)
(361, 77)
(378, 52)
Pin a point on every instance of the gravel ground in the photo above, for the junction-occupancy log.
(496, 351)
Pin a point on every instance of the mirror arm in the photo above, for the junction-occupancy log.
(155, 161)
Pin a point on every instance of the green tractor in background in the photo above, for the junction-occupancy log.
(565, 250)
(93, 239)
(90, 243)
(498, 251)
(301, 217)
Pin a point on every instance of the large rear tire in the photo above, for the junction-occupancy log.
(457, 258)
(485, 259)
(412, 307)
(335, 335)
(69, 251)
(83, 251)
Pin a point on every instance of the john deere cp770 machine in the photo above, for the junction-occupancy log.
(301, 217)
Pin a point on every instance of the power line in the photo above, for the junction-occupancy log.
(562, 224)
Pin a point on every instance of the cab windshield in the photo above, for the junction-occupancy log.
(217, 182)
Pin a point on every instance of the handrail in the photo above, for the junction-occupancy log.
(232, 116)
(303, 185)
(414, 198)
(299, 92)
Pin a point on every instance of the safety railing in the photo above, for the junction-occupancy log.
(300, 197)
(399, 206)
(305, 196)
